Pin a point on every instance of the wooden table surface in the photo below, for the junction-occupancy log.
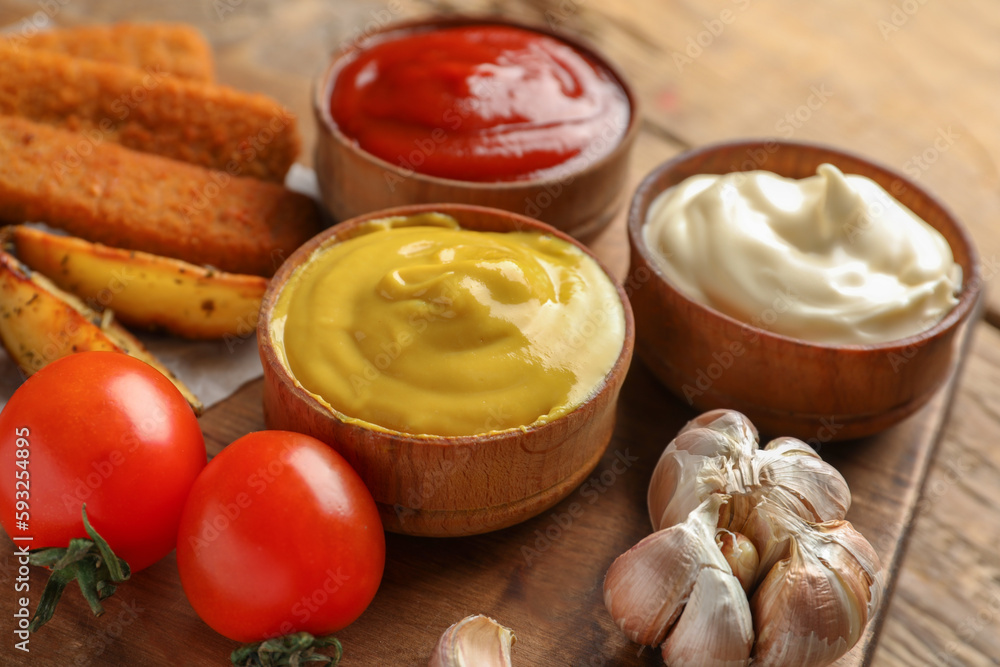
(914, 84)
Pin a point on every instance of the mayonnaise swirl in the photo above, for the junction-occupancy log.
(423, 327)
(829, 259)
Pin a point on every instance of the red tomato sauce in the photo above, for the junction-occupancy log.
(480, 103)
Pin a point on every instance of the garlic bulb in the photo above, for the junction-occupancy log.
(750, 561)
(474, 641)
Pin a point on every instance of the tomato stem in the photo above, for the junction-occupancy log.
(93, 565)
(294, 649)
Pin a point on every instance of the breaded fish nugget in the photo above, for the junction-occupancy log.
(138, 201)
(166, 47)
(149, 110)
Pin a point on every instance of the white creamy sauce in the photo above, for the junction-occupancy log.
(830, 259)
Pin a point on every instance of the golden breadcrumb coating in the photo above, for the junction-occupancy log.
(151, 111)
(175, 48)
(132, 200)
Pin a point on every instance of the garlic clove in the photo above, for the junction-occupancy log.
(707, 442)
(715, 629)
(730, 422)
(848, 551)
(770, 527)
(713, 453)
(739, 513)
(801, 615)
(803, 482)
(741, 555)
(789, 446)
(681, 481)
(812, 606)
(646, 588)
(674, 480)
(474, 641)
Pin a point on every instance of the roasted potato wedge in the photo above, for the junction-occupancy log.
(40, 323)
(144, 290)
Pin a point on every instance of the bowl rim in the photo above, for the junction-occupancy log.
(323, 88)
(968, 296)
(277, 284)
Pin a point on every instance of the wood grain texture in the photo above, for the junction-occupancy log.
(915, 89)
(946, 610)
(935, 80)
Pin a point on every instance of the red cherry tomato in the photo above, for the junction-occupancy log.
(108, 430)
(279, 535)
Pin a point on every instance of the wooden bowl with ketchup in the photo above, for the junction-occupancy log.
(456, 484)
(818, 392)
(401, 124)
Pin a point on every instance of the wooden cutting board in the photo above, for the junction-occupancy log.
(541, 578)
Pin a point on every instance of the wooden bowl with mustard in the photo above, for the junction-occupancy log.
(814, 290)
(466, 361)
(475, 110)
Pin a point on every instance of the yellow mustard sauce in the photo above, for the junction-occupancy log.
(419, 326)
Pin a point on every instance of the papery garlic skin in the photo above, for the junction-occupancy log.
(717, 453)
(813, 605)
(715, 629)
(646, 588)
(799, 479)
(727, 421)
(474, 641)
(682, 479)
